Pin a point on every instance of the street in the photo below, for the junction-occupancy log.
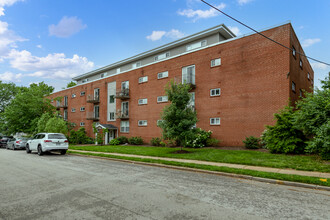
(72, 187)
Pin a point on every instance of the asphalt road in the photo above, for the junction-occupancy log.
(72, 187)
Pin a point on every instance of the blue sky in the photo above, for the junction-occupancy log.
(53, 41)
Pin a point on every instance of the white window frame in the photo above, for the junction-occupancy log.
(215, 121)
(162, 56)
(73, 95)
(82, 109)
(82, 93)
(125, 85)
(142, 123)
(136, 65)
(143, 101)
(65, 114)
(124, 129)
(85, 80)
(216, 62)
(185, 75)
(73, 110)
(215, 92)
(143, 79)
(82, 124)
(114, 116)
(196, 45)
(162, 75)
(161, 99)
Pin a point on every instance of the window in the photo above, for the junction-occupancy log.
(196, 45)
(188, 74)
(293, 87)
(124, 126)
(82, 109)
(104, 74)
(65, 114)
(162, 98)
(136, 65)
(84, 80)
(216, 62)
(308, 76)
(191, 103)
(215, 92)
(143, 79)
(65, 100)
(162, 56)
(73, 95)
(73, 110)
(82, 123)
(214, 121)
(118, 70)
(294, 51)
(124, 108)
(96, 94)
(82, 93)
(300, 93)
(96, 111)
(142, 123)
(162, 75)
(143, 101)
(112, 116)
(300, 63)
(111, 99)
(159, 122)
(125, 85)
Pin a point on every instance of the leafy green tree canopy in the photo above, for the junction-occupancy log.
(57, 125)
(7, 93)
(71, 84)
(178, 118)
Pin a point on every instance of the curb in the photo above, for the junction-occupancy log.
(233, 175)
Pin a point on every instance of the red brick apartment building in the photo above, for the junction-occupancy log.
(238, 85)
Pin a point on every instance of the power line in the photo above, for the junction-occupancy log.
(263, 34)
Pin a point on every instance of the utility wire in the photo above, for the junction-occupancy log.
(263, 34)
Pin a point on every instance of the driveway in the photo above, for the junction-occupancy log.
(72, 187)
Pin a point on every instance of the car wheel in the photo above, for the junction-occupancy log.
(14, 147)
(63, 152)
(27, 149)
(40, 153)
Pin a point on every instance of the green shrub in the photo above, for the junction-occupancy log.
(122, 139)
(135, 140)
(320, 144)
(114, 142)
(212, 142)
(283, 137)
(252, 142)
(155, 141)
(199, 138)
(80, 137)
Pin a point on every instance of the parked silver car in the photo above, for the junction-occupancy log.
(16, 143)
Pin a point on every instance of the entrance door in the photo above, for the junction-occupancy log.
(111, 135)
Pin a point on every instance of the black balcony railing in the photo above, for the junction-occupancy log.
(122, 94)
(93, 99)
(92, 116)
(122, 114)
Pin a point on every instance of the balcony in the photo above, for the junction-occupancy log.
(93, 116)
(63, 105)
(123, 94)
(122, 114)
(190, 80)
(93, 99)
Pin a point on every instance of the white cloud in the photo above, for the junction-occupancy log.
(4, 3)
(320, 66)
(198, 14)
(55, 66)
(66, 27)
(235, 30)
(158, 35)
(8, 40)
(39, 46)
(243, 2)
(310, 42)
(11, 77)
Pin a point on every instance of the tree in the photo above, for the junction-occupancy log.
(24, 111)
(41, 126)
(57, 125)
(7, 93)
(178, 118)
(71, 84)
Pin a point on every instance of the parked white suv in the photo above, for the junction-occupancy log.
(43, 142)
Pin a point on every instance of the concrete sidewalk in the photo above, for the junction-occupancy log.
(256, 168)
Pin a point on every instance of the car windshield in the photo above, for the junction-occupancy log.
(56, 136)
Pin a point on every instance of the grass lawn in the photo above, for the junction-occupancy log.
(247, 157)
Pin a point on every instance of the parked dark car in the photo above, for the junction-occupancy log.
(4, 140)
(16, 143)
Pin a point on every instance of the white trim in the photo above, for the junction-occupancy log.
(143, 79)
(142, 123)
(162, 75)
(162, 97)
(143, 101)
(215, 121)
(215, 90)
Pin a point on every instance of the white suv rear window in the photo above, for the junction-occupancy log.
(56, 136)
